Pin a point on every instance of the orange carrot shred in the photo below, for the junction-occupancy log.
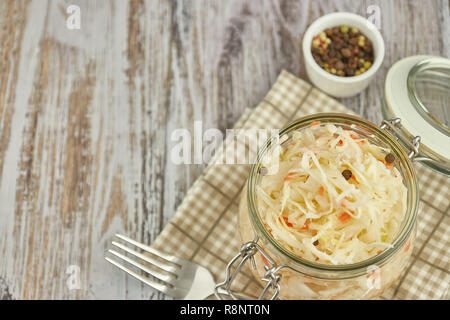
(385, 163)
(379, 251)
(321, 190)
(289, 177)
(265, 261)
(287, 223)
(306, 225)
(408, 244)
(344, 217)
(268, 228)
(315, 123)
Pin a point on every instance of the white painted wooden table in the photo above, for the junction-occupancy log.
(86, 116)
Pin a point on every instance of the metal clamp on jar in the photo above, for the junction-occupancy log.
(416, 108)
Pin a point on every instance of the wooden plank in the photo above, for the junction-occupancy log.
(86, 116)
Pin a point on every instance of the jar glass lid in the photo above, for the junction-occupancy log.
(429, 91)
(417, 91)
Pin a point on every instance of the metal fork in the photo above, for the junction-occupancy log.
(179, 278)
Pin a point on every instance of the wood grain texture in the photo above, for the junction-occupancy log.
(86, 116)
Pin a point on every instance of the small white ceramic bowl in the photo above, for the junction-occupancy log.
(335, 85)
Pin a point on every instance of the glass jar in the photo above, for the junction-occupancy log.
(412, 85)
(304, 279)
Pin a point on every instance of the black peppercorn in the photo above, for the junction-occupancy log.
(347, 174)
(390, 158)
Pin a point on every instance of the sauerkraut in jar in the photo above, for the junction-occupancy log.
(336, 203)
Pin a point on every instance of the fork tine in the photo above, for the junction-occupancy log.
(159, 264)
(158, 275)
(158, 286)
(148, 249)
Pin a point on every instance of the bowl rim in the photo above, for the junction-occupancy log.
(374, 35)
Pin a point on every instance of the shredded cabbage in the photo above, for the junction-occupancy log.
(314, 211)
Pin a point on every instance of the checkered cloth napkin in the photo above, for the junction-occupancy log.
(204, 228)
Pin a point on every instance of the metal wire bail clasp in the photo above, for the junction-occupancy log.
(247, 252)
(412, 143)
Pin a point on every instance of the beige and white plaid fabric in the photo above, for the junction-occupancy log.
(204, 228)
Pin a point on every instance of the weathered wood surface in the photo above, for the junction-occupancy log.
(86, 116)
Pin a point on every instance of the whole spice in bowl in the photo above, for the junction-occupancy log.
(358, 39)
(343, 51)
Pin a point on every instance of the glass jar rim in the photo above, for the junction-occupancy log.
(346, 270)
